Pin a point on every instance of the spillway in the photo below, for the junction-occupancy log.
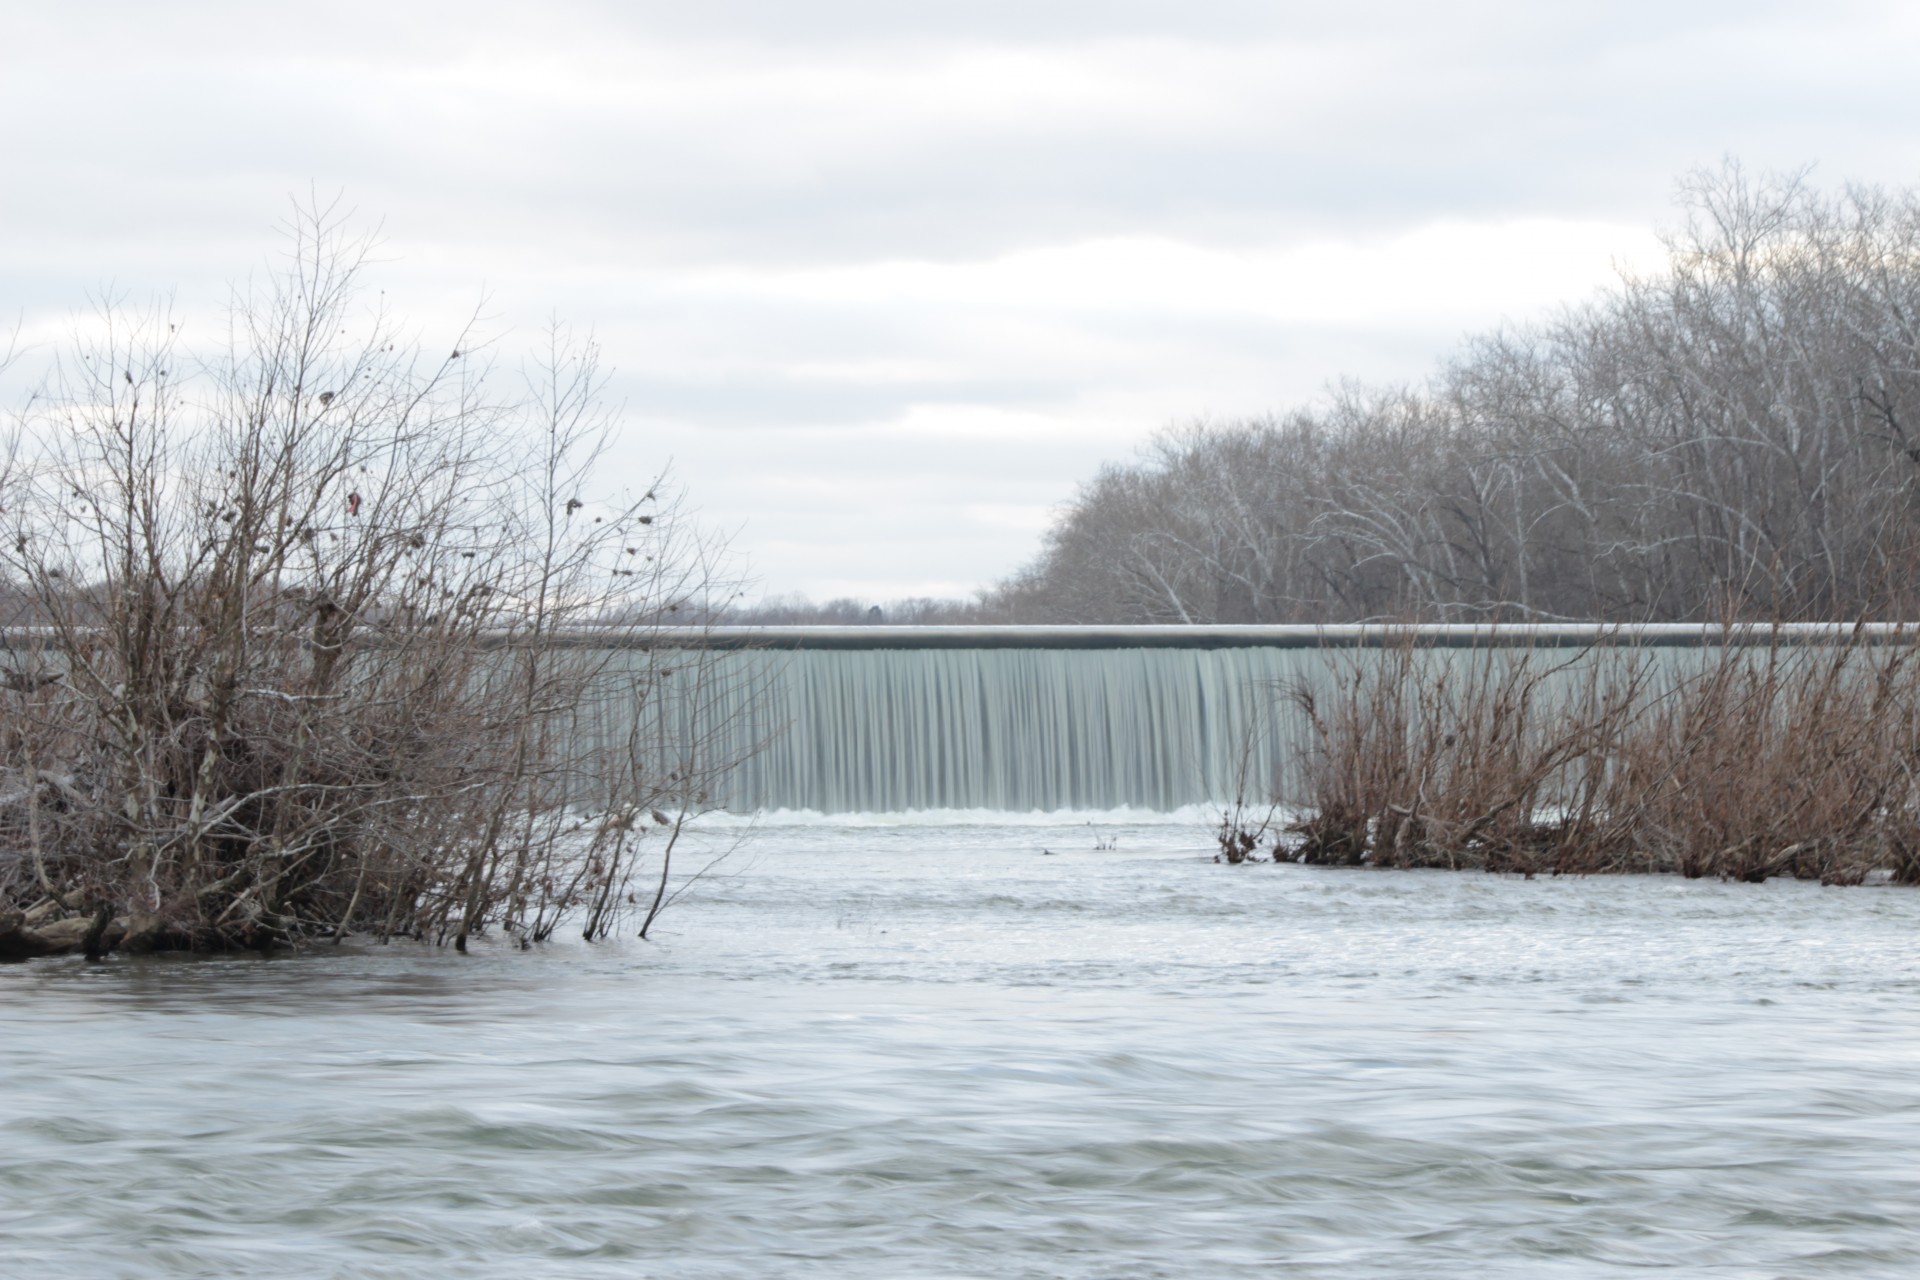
(887, 719)
(883, 730)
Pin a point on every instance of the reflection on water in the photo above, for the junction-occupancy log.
(927, 1049)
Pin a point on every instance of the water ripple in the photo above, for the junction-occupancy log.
(869, 1052)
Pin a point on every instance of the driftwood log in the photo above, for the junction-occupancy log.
(21, 940)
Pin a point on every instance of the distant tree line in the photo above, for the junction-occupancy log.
(1737, 434)
(846, 611)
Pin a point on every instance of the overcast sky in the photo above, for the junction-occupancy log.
(887, 279)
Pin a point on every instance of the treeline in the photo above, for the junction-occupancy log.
(844, 611)
(1735, 435)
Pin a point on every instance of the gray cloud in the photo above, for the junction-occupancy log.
(680, 176)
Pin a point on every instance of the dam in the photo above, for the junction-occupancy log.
(880, 719)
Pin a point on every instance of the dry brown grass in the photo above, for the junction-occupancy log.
(1743, 763)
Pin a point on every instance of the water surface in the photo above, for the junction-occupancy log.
(927, 1048)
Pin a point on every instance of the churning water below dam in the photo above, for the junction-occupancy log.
(923, 1047)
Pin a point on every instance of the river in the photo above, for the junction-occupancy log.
(864, 1047)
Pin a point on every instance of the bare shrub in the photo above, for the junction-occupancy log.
(1486, 759)
(1247, 822)
(1758, 761)
(286, 653)
(1777, 761)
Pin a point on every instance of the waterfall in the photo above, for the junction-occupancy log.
(1014, 729)
(883, 719)
(888, 719)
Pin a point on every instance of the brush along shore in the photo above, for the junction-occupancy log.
(278, 658)
(1737, 763)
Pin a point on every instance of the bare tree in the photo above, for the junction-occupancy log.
(295, 646)
(1738, 432)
